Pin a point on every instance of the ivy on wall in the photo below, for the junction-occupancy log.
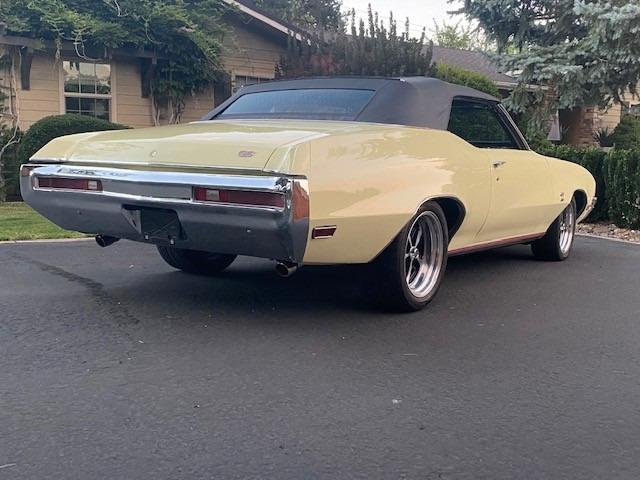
(186, 35)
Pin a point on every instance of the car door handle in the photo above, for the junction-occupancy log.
(497, 163)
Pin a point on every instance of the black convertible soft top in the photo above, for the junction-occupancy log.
(414, 101)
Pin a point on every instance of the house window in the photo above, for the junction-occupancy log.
(87, 88)
(630, 109)
(240, 81)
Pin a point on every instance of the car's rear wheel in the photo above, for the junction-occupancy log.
(557, 242)
(411, 268)
(194, 261)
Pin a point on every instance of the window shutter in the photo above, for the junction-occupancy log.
(222, 89)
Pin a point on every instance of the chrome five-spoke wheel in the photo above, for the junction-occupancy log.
(558, 240)
(567, 229)
(424, 254)
(411, 268)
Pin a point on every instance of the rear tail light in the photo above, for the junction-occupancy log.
(239, 197)
(61, 183)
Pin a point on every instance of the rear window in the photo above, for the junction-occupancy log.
(309, 103)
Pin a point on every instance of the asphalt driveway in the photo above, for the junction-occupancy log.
(112, 365)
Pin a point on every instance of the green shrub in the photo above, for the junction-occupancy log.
(623, 187)
(594, 160)
(460, 76)
(41, 133)
(48, 128)
(626, 135)
(540, 144)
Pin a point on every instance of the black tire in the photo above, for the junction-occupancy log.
(552, 247)
(194, 261)
(390, 267)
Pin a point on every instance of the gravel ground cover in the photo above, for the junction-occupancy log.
(609, 230)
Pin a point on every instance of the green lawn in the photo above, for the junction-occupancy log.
(19, 222)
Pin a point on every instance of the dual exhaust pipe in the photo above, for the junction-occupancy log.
(286, 269)
(105, 240)
(283, 269)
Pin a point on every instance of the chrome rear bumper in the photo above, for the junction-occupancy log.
(256, 230)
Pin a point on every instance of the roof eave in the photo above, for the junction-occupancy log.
(69, 46)
(505, 85)
(512, 85)
(267, 19)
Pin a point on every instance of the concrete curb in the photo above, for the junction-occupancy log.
(67, 240)
(45, 240)
(620, 240)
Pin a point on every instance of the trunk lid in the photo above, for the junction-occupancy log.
(245, 145)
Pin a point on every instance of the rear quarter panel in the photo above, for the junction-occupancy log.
(370, 183)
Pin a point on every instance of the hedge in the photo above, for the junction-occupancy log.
(626, 135)
(617, 175)
(38, 136)
(460, 76)
(622, 176)
(48, 128)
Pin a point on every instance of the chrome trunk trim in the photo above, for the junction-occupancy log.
(157, 166)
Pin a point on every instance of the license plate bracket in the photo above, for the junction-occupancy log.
(155, 225)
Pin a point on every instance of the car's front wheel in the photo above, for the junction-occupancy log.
(557, 242)
(411, 268)
(194, 261)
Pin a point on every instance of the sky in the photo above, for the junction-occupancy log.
(421, 13)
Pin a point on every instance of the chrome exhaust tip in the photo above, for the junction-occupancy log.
(286, 269)
(105, 240)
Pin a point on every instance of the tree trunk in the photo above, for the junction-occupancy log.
(3, 193)
(9, 111)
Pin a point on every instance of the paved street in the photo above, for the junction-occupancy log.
(115, 366)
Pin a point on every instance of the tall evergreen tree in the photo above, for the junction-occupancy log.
(368, 49)
(587, 50)
(311, 15)
(458, 35)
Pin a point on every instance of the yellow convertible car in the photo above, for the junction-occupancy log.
(400, 173)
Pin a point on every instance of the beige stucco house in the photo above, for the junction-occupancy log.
(116, 89)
